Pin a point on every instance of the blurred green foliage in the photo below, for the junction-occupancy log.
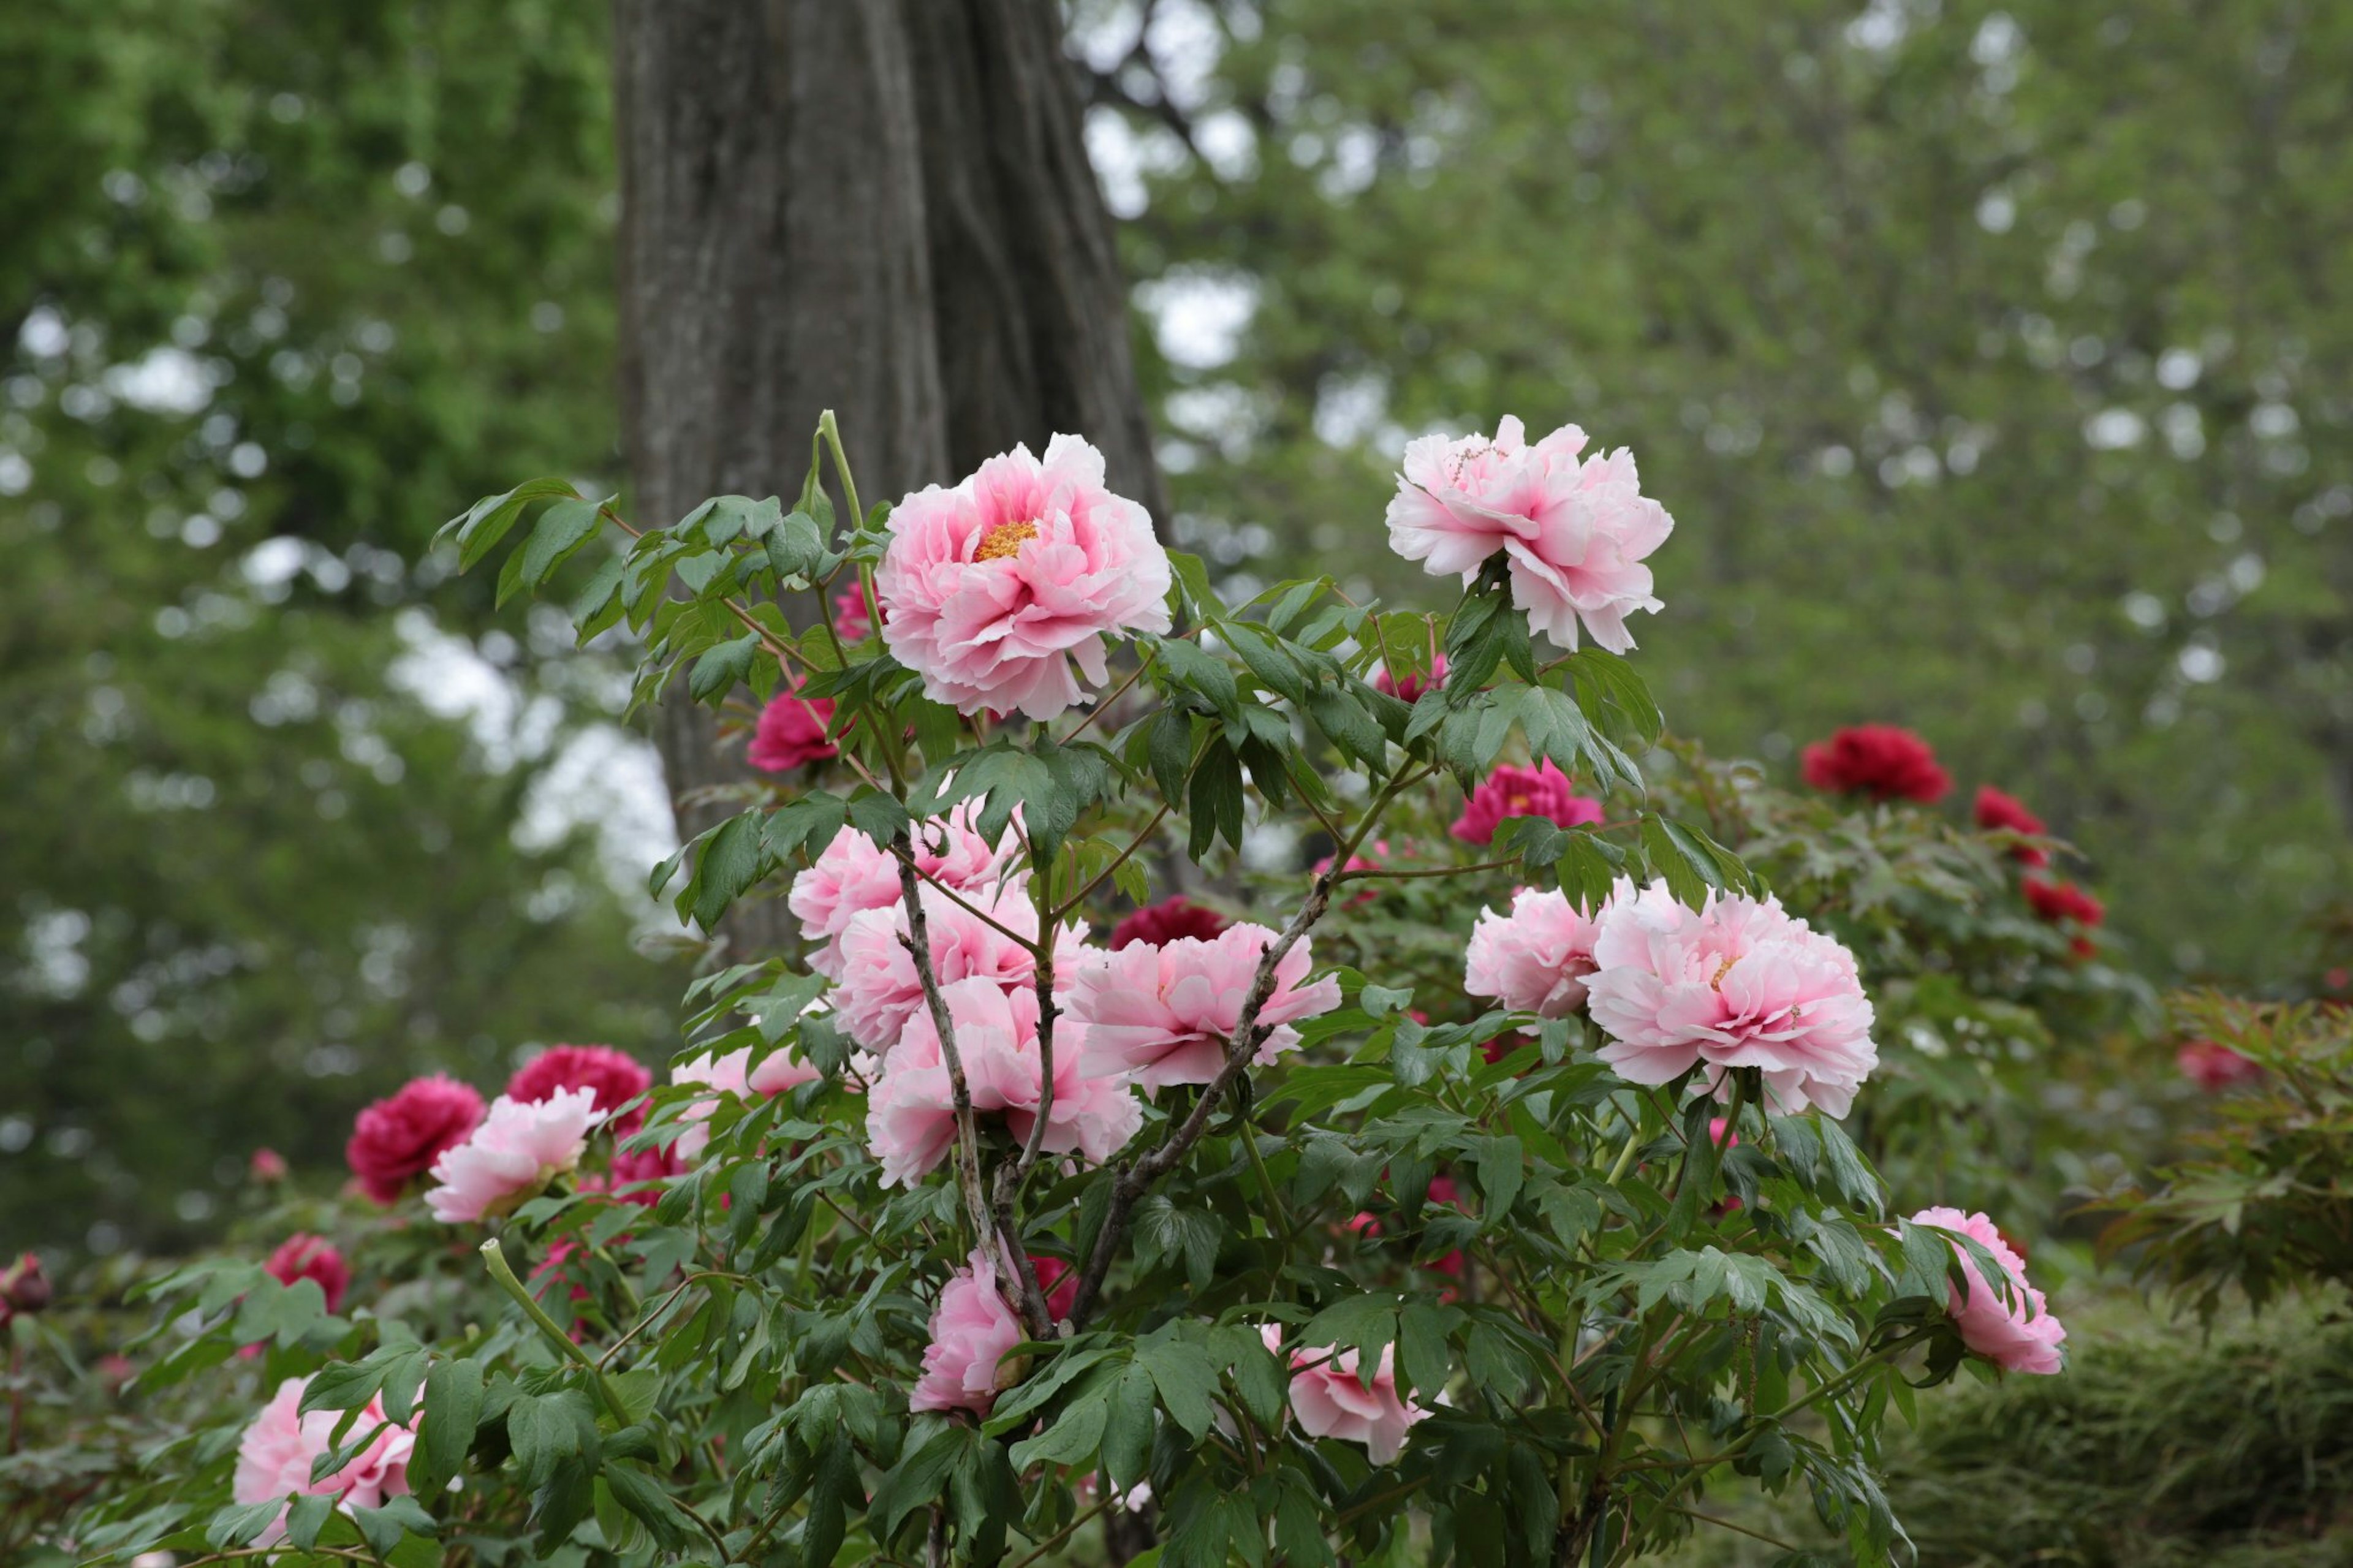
(278, 283)
(1991, 357)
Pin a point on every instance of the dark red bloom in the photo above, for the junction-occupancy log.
(638, 1177)
(397, 1140)
(1165, 921)
(1999, 813)
(2057, 901)
(1060, 1281)
(616, 1077)
(2215, 1066)
(1409, 686)
(24, 1288)
(1882, 760)
(305, 1256)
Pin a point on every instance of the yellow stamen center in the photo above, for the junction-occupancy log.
(1004, 541)
(1717, 982)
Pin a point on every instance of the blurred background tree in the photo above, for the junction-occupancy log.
(1994, 354)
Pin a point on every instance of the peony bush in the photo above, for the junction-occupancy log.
(1093, 1176)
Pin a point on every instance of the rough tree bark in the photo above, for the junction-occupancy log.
(883, 208)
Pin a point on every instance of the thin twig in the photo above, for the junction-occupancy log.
(967, 1133)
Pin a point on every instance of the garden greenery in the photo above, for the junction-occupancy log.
(1524, 1238)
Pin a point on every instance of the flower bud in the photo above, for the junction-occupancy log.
(23, 1285)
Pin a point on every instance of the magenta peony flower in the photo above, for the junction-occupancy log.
(616, 1077)
(1999, 813)
(879, 990)
(1513, 790)
(273, 1457)
(791, 733)
(1535, 959)
(993, 590)
(1736, 983)
(2019, 1334)
(1166, 921)
(1330, 1398)
(856, 874)
(1575, 533)
(304, 1257)
(521, 1146)
(851, 621)
(267, 1167)
(909, 1110)
(1165, 1013)
(1412, 685)
(397, 1140)
(971, 1331)
(2215, 1066)
(1882, 760)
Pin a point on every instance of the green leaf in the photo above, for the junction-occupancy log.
(453, 1406)
(645, 1496)
(1423, 1357)
(1364, 1323)
(1127, 1427)
(830, 1498)
(1171, 750)
(306, 1516)
(1268, 660)
(562, 530)
(1206, 675)
(917, 1477)
(1187, 1379)
(1216, 805)
(729, 862)
(1075, 1434)
(722, 667)
(478, 529)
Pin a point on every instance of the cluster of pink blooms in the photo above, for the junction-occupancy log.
(993, 591)
(1737, 982)
(855, 875)
(521, 1146)
(2012, 1327)
(275, 1455)
(1166, 1013)
(2213, 1066)
(878, 990)
(1574, 530)
(1515, 791)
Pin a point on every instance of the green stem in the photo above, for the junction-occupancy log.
(496, 1262)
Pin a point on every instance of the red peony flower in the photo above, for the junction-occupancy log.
(2215, 1066)
(1999, 813)
(1059, 1282)
(304, 1257)
(1409, 686)
(1165, 921)
(616, 1077)
(1882, 760)
(397, 1140)
(791, 733)
(2058, 902)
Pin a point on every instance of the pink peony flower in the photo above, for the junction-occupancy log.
(879, 990)
(1999, 813)
(851, 621)
(971, 1331)
(1575, 533)
(2058, 902)
(909, 1111)
(273, 1457)
(267, 1168)
(615, 1077)
(1372, 862)
(397, 1139)
(855, 874)
(1166, 921)
(1513, 790)
(791, 733)
(1330, 1397)
(778, 1072)
(1882, 760)
(1736, 983)
(1409, 686)
(1165, 1013)
(993, 590)
(2215, 1066)
(304, 1257)
(521, 1146)
(1059, 1282)
(1535, 959)
(2019, 1334)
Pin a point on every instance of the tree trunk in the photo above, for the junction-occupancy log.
(883, 208)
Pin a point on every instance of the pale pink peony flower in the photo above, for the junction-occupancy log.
(879, 990)
(2019, 1334)
(521, 1146)
(909, 1111)
(855, 874)
(1165, 1013)
(1329, 1396)
(971, 1331)
(273, 1457)
(778, 1072)
(1535, 959)
(993, 590)
(1575, 533)
(1736, 983)
(1513, 791)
